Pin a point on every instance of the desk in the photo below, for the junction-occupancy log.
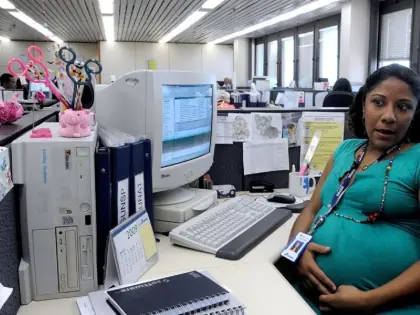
(253, 280)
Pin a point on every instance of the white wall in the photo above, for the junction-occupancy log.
(18, 49)
(118, 58)
(354, 40)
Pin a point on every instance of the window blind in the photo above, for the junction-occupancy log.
(396, 35)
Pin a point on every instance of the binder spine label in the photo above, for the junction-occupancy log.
(139, 192)
(123, 200)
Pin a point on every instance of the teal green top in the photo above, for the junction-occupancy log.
(369, 255)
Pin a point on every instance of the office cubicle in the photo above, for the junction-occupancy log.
(228, 165)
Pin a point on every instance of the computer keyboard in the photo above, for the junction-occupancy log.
(230, 229)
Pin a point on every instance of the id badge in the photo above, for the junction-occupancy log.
(296, 247)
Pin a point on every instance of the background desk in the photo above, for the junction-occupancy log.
(253, 280)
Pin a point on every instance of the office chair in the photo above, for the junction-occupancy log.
(338, 99)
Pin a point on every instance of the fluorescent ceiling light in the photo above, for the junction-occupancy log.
(4, 39)
(108, 21)
(57, 39)
(106, 6)
(193, 18)
(7, 5)
(211, 4)
(31, 22)
(314, 5)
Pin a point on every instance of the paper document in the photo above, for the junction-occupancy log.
(241, 127)
(309, 100)
(224, 130)
(291, 99)
(266, 156)
(332, 127)
(85, 306)
(290, 128)
(4, 294)
(266, 127)
(279, 98)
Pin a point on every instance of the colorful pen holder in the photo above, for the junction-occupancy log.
(74, 124)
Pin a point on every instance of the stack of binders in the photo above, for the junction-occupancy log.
(123, 187)
(193, 292)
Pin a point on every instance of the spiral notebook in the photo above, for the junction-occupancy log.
(183, 294)
(96, 304)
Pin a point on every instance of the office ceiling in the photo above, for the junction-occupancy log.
(149, 20)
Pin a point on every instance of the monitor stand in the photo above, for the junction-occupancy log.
(174, 207)
(173, 196)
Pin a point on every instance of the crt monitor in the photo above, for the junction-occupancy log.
(176, 110)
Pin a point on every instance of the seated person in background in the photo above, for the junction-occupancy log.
(228, 83)
(223, 101)
(342, 85)
(364, 214)
(7, 82)
(23, 87)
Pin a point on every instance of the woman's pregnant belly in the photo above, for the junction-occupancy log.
(365, 255)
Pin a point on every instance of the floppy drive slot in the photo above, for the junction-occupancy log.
(86, 257)
(67, 257)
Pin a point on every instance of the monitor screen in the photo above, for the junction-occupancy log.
(186, 121)
(34, 87)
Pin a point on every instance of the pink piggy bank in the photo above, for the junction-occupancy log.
(74, 124)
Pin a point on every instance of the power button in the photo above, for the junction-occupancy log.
(85, 207)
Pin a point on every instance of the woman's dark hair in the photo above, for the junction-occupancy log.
(342, 85)
(392, 71)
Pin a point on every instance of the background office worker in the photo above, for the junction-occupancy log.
(7, 82)
(342, 85)
(354, 262)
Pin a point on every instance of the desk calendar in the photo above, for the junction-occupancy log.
(131, 250)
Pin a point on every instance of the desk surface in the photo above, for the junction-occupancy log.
(253, 280)
(9, 132)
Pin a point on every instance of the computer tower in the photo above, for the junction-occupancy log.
(58, 214)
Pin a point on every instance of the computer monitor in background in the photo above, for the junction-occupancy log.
(35, 87)
(177, 112)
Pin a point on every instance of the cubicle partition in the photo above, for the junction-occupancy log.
(228, 165)
(310, 95)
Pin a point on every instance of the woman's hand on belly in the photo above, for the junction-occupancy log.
(346, 298)
(313, 277)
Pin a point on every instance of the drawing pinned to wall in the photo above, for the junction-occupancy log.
(266, 127)
(241, 127)
(291, 128)
(6, 183)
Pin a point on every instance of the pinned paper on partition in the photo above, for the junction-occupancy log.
(224, 130)
(6, 183)
(266, 156)
(332, 127)
(241, 127)
(266, 126)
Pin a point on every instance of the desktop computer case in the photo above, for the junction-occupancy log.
(58, 215)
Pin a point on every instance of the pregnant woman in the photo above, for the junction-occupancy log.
(364, 216)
